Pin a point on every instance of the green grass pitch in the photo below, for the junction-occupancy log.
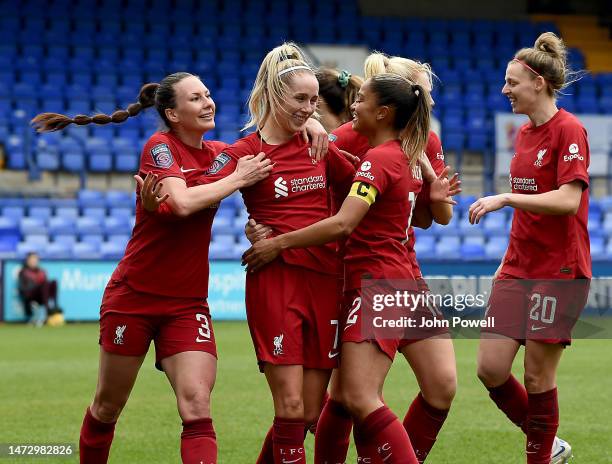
(47, 378)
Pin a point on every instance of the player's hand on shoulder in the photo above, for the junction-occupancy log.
(251, 169)
(319, 139)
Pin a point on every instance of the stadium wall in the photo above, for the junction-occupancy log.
(81, 285)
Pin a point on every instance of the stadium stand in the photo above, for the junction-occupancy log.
(51, 60)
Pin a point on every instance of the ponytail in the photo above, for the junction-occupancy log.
(48, 122)
(412, 111)
(414, 136)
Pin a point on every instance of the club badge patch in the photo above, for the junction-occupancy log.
(219, 162)
(162, 157)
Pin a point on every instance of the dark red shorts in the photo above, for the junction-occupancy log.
(130, 320)
(541, 310)
(293, 316)
(393, 327)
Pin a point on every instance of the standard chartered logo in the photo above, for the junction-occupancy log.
(280, 188)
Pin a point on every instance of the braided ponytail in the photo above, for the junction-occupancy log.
(48, 122)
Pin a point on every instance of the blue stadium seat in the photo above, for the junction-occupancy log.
(448, 248)
(65, 239)
(93, 238)
(126, 163)
(56, 250)
(41, 212)
(13, 212)
(111, 250)
(89, 225)
(83, 250)
(472, 251)
(91, 198)
(118, 198)
(32, 225)
(496, 247)
(61, 226)
(117, 226)
(101, 163)
(67, 211)
(425, 247)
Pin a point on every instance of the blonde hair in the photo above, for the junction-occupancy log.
(379, 63)
(548, 58)
(271, 84)
(412, 111)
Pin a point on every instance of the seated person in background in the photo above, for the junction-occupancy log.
(34, 286)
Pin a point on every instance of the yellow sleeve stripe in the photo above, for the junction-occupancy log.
(363, 191)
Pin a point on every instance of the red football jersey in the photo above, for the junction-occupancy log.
(170, 258)
(352, 141)
(348, 139)
(434, 153)
(376, 248)
(545, 246)
(296, 193)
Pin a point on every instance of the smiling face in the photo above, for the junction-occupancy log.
(195, 109)
(522, 88)
(299, 102)
(365, 110)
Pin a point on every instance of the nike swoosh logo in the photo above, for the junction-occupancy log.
(202, 340)
(333, 355)
(534, 328)
(187, 170)
(291, 462)
(560, 452)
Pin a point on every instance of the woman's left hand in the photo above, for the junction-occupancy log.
(260, 254)
(149, 191)
(316, 133)
(486, 205)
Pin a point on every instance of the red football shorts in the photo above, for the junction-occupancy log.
(399, 323)
(293, 316)
(541, 310)
(129, 320)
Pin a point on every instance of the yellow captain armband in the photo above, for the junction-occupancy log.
(363, 191)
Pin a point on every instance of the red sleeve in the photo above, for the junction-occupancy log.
(375, 170)
(347, 139)
(340, 171)
(225, 162)
(573, 155)
(160, 156)
(434, 153)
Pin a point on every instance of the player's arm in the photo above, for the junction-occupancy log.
(421, 215)
(318, 137)
(341, 225)
(561, 202)
(184, 200)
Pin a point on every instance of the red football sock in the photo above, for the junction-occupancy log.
(96, 439)
(511, 398)
(367, 451)
(199, 442)
(423, 422)
(333, 434)
(288, 441)
(542, 423)
(266, 455)
(382, 429)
